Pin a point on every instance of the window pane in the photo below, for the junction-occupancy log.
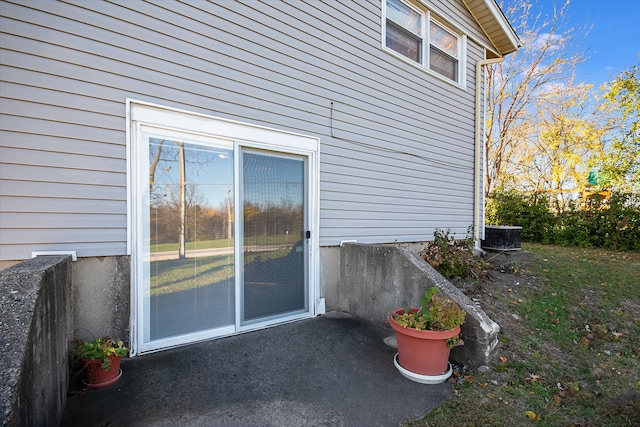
(406, 17)
(443, 64)
(402, 43)
(190, 251)
(443, 39)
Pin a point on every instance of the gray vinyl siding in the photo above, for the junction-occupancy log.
(396, 144)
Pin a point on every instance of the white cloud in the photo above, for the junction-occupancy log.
(543, 38)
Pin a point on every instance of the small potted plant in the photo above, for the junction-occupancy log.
(100, 360)
(425, 336)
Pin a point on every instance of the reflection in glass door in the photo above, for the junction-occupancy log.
(190, 283)
(274, 242)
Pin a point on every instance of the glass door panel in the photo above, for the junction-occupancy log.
(189, 253)
(274, 244)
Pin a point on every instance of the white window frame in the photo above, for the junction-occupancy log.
(424, 61)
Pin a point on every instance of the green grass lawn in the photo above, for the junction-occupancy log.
(574, 360)
(281, 239)
(203, 244)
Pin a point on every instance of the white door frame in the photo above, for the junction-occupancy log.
(243, 135)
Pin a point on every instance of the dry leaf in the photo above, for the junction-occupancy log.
(533, 377)
(557, 399)
(502, 359)
(586, 341)
(531, 415)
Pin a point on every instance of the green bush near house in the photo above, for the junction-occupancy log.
(613, 225)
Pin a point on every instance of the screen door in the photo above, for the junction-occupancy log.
(274, 241)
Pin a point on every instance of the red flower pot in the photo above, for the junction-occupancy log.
(96, 377)
(422, 352)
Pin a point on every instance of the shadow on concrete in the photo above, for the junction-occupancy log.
(332, 370)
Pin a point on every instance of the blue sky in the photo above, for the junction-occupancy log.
(613, 44)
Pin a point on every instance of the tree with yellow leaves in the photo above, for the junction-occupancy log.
(621, 163)
(517, 87)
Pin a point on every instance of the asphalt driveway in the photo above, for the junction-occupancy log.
(333, 370)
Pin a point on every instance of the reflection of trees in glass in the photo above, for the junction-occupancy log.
(181, 211)
(191, 196)
(273, 196)
(271, 219)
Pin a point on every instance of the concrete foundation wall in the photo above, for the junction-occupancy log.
(102, 297)
(330, 276)
(36, 324)
(376, 279)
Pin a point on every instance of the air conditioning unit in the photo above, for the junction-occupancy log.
(502, 238)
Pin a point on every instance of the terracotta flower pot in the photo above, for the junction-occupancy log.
(96, 377)
(422, 352)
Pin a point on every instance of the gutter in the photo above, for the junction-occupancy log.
(478, 188)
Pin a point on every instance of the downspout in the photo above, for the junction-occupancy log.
(478, 221)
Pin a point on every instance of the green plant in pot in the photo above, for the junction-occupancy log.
(425, 336)
(100, 360)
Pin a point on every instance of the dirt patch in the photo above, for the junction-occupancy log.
(505, 278)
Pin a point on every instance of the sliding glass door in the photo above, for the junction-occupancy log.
(222, 236)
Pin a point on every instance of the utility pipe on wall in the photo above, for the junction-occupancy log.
(478, 190)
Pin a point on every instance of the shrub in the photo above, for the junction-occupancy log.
(531, 212)
(453, 258)
(613, 225)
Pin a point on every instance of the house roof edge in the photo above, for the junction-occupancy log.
(506, 41)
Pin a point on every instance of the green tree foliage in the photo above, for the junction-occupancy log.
(564, 144)
(530, 211)
(621, 164)
(613, 225)
(545, 133)
(546, 138)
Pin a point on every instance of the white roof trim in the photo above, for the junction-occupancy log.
(498, 14)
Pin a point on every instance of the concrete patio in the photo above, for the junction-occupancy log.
(333, 370)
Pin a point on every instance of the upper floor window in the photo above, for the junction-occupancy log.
(416, 35)
(404, 30)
